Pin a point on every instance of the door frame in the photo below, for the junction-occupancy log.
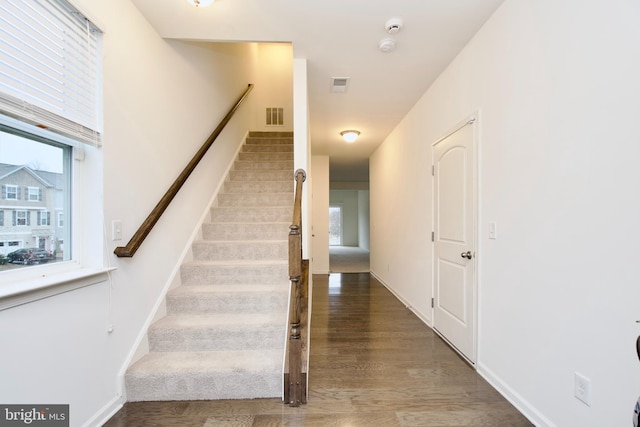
(471, 120)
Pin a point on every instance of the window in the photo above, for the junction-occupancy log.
(50, 106)
(30, 158)
(44, 218)
(34, 194)
(10, 192)
(21, 218)
(335, 225)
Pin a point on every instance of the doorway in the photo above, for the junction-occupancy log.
(455, 230)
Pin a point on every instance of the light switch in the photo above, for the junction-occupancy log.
(116, 230)
(493, 234)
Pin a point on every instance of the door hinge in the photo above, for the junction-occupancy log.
(432, 303)
(433, 170)
(433, 238)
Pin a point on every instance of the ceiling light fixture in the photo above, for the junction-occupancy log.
(200, 3)
(350, 135)
(387, 45)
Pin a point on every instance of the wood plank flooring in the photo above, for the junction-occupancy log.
(372, 363)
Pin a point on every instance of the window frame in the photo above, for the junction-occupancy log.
(84, 218)
(38, 194)
(15, 192)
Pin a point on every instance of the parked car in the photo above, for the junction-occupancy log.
(29, 256)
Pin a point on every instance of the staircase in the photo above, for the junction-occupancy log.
(225, 329)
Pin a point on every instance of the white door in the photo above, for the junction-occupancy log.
(454, 240)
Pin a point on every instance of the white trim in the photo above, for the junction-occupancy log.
(521, 404)
(24, 292)
(105, 413)
(420, 315)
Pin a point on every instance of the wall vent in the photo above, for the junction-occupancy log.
(339, 84)
(275, 116)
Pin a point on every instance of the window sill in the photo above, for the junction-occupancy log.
(27, 291)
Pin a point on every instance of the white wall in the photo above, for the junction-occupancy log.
(363, 219)
(320, 214)
(274, 85)
(556, 86)
(161, 101)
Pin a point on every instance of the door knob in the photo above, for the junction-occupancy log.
(466, 255)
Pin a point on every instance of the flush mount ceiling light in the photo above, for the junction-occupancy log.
(350, 135)
(387, 45)
(200, 3)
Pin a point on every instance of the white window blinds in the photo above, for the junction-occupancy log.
(50, 67)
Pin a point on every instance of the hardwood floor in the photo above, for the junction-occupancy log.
(373, 363)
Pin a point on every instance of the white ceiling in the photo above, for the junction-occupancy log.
(339, 38)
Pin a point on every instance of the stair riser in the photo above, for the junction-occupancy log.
(260, 148)
(259, 187)
(265, 157)
(266, 165)
(204, 386)
(229, 231)
(240, 251)
(241, 302)
(261, 176)
(269, 141)
(206, 274)
(255, 199)
(270, 134)
(218, 339)
(273, 214)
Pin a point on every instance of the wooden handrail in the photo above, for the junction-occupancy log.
(295, 384)
(132, 246)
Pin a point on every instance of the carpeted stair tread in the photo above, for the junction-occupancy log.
(224, 334)
(262, 175)
(205, 375)
(262, 165)
(240, 250)
(214, 273)
(227, 302)
(255, 199)
(202, 290)
(245, 231)
(215, 332)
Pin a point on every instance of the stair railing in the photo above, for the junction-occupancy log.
(132, 246)
(295, 379)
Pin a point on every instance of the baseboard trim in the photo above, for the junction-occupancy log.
(521, 404)
(105, 413)
(420, 315)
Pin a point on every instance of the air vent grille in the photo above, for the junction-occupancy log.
(275, 116)
(339, 84)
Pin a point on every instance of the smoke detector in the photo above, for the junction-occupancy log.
(387, 45)
(393, 25)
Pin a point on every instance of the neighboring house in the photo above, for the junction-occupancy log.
(29, 209)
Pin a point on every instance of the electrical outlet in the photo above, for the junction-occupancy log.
(582, 388)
